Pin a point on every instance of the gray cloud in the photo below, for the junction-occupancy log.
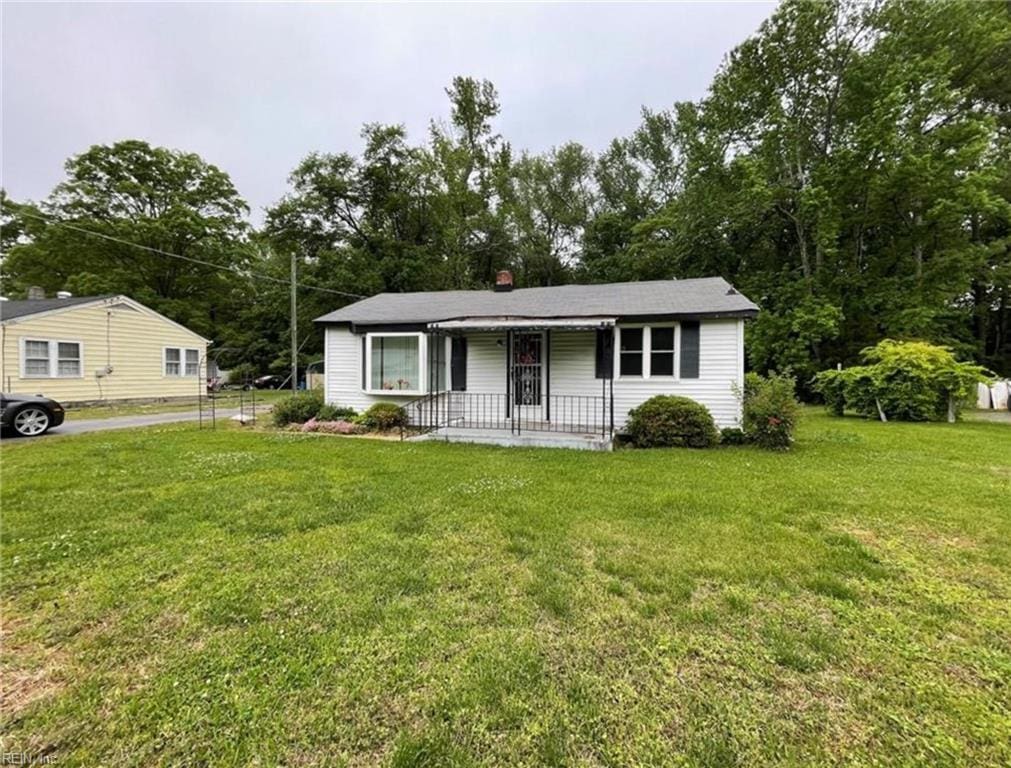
(254, 87)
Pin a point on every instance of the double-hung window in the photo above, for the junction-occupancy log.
(659, 351)
(180, 361)
(45, 359)
(192, 362)
(631, 352)
(394, 362)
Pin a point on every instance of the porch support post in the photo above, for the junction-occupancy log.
(547, 374)
(603, 402)
(509, 374)
(610, 379)
(431, 402)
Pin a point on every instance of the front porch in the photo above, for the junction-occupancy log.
(514, 403)
(550, 421)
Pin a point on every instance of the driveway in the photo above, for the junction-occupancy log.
(78, 426)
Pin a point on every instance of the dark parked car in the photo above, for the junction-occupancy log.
(268, 382)
(29, 415)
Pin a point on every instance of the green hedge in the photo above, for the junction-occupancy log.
(670, 421)
(906, 381)
(384, 416)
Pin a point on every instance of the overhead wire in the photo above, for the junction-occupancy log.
(235, 270)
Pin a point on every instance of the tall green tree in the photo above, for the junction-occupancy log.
(132, 194)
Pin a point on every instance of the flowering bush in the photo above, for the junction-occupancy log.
(339, 427)
(770, 410)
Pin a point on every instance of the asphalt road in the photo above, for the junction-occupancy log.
(79, 426)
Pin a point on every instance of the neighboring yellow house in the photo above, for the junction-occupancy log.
(90, 348)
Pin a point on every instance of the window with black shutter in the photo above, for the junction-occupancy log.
(690, 349)
(605, 353)
(458, 364)
(631, 351)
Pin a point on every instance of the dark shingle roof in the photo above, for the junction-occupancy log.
(20, 308)
(702, 296)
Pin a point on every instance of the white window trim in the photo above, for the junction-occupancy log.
(647, 351)
(54, 365)
(422, 364)
(182, 363)
(676, 375)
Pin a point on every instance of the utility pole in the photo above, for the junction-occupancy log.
(294, 326)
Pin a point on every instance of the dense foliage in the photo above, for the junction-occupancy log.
(770, 410)
(908, 381)
(335, 413)
(298, 408)
(667, 421)
(733, 436)
(849, 169)
(384, 416)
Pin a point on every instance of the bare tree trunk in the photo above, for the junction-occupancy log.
(951, 409)
(881, 413)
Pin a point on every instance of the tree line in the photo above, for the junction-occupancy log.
(849, 169)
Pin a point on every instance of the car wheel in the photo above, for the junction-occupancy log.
(31, 421)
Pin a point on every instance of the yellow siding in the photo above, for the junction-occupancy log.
(129, 340)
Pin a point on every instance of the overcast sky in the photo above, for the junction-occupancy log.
(254, 87)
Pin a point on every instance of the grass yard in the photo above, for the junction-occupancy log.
(174, 597)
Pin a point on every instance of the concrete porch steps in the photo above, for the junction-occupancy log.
(503, 437)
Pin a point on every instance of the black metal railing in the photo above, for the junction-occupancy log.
(573, 414)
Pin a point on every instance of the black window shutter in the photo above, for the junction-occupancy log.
(690, 349)
(363, 363)
(458, 364)
(605, 353)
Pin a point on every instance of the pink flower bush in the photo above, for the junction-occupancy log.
(339, 427)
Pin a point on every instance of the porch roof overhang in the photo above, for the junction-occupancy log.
(522, 323)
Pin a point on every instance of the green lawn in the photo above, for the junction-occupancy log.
(175, 597)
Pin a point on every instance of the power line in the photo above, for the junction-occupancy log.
(191, 259)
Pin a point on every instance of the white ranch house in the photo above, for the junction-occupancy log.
(539, 366)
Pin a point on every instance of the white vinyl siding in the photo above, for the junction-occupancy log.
(572, 362)
(721, 368)
(51, 359)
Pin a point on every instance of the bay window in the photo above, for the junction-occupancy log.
(395, 362)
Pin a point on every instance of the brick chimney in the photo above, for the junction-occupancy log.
(36, 292)
(503, 280)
